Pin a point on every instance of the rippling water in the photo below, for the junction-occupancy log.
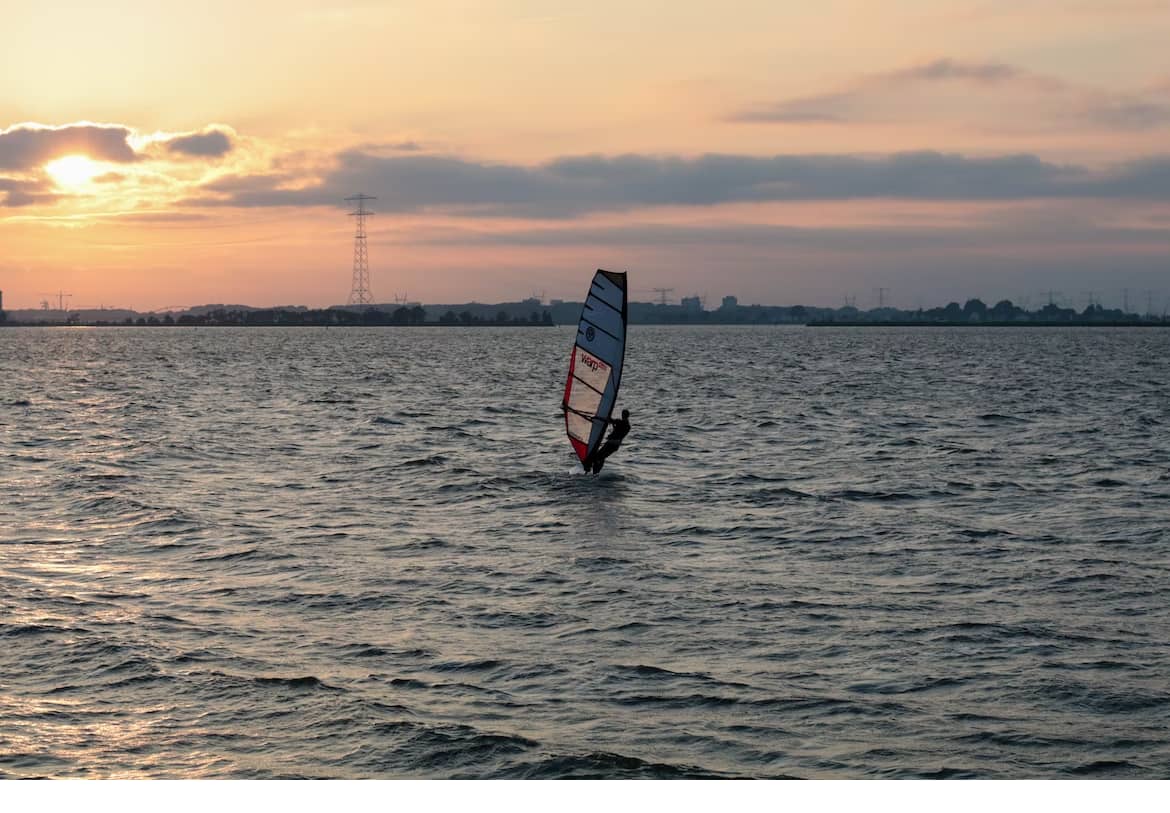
(364, 553)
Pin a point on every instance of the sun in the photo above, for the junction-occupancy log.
(73, 171)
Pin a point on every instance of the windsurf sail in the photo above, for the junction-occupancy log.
(595, 367)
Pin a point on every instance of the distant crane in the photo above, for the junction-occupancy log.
(61, 296)
(662, 292)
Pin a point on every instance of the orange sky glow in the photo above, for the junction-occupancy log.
(168, 154)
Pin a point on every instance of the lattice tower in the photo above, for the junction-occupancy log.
(359, 292)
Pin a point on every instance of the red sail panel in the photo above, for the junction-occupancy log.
(581, 447)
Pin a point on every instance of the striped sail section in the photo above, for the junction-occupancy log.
(595, 367)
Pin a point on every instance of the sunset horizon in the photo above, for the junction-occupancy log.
(769, 152)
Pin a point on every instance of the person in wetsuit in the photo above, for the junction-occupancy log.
(621, 428)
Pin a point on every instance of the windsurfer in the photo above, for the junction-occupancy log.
(621, 428)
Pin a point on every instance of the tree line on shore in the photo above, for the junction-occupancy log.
(304, 317)
(974, 311)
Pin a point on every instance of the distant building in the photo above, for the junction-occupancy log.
(692, 304)
(729, 303)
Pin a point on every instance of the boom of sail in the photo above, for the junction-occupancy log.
(595, 366)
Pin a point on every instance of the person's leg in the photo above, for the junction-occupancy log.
(596, 462)
(599, 459)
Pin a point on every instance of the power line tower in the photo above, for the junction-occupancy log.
(359, 292)
(662, 292)
(881, 292)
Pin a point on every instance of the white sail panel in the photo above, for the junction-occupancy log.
(591, 370)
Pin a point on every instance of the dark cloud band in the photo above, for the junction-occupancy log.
(208, 144)
(572, 186)
(14, 193)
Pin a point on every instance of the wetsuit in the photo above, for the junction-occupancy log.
(621, 428)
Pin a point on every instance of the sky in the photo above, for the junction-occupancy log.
(162, 154)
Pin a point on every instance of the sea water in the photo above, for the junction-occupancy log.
(854, 552)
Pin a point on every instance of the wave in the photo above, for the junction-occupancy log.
(602, 765)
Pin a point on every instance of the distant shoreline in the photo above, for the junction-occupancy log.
(903, 323)
(166, 326)
(816, 323)
(533, 311)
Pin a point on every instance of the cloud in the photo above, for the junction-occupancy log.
(804, 111)
(571, 186)
(211, 143)
(161, 217)
(1117, 113)
(948, 69)
(881, 94)
(979, 235)
(15, 192)
(145, 160)
(999, 95)
(1002, 252)
(409, 183)
(25, 146)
